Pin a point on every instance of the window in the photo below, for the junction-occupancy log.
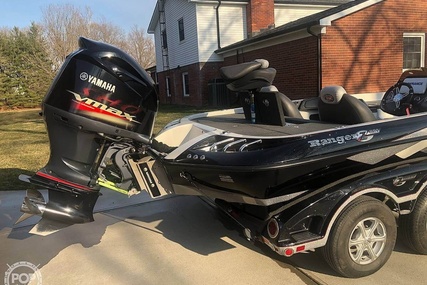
(168, 84)
(413, 50)
(181, 29)
(185, 84)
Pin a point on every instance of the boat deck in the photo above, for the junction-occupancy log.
(236, 123)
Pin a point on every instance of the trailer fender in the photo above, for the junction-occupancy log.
(319, 216)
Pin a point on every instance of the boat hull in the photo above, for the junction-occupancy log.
(288, 164)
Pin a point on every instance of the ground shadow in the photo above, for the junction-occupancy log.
(187, 221)
(199, 227)
(19, 245)
(184, 220)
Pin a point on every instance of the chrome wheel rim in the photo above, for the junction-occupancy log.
(367, 241)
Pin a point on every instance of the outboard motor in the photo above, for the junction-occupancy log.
(99, 97)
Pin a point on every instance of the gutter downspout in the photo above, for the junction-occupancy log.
(319, 58)
(218, 34)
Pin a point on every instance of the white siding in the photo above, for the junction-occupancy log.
(232, 24)
(200, 27)
(179, 52)
(284, 14)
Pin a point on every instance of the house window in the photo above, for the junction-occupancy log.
(168, 84)
(185, 84)
(181, 29)
(413, 50)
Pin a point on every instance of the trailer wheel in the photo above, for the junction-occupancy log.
(413, 227)
(362, 239)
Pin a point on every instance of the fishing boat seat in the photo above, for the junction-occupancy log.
(288, 107)
(336, 106)
(256, 78)
(271, 106)
(248, 76)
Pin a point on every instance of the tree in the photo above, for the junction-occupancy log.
(106, 32)
(4, 66)
(63, 24)
(141, 47)
(39, 72)
(11, 67)
(25, 72)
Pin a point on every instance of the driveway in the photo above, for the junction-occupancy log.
(178, 240)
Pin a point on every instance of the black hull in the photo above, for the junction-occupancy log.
(289, 164)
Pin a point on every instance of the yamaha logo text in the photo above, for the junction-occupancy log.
(98, 82)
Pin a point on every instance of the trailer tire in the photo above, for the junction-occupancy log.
(413, 227)
(362, 238)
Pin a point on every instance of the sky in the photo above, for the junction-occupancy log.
(122, 13)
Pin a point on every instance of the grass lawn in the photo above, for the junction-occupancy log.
(25, 147)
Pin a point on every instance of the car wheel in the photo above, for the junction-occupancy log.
(413, 227)
(362, 238)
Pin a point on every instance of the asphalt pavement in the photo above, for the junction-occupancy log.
(177, 240)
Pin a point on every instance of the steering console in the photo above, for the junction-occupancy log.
(397, 99)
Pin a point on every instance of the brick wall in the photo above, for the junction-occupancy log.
(296, 65)
(260, 15)
(363, 52)
(199, 75)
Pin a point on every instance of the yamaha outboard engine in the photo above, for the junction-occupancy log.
(99, 96)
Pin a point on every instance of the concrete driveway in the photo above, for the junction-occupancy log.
(178, 240)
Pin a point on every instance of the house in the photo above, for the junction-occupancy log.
(188, 32)
(363, 45)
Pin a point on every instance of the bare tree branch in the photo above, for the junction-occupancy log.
(141, 47)
(64, 24)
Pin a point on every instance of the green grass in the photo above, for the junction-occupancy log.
(24, 145)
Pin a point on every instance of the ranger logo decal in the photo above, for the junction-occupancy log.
(360, 136)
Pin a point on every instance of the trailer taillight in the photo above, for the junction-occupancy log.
(288, 252)
(273, 228)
